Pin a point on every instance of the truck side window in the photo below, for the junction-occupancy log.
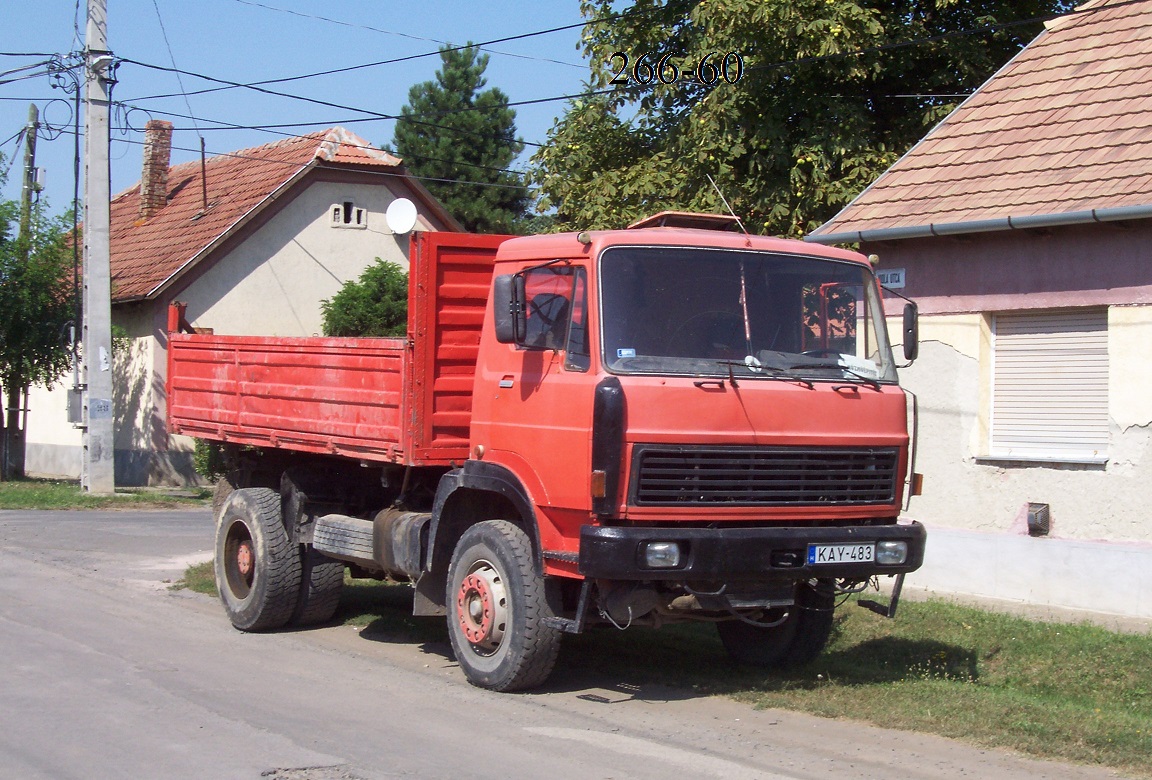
(578, 356)
(557, 313)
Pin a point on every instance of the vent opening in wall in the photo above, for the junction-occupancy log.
(348, 215)
(1039, 519)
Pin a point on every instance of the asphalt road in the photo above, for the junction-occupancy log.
(108, 674)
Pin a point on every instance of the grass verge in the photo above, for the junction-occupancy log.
(64, 494)
(1062, 692)
(199, 577)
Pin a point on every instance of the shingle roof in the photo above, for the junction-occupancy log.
(1064, 129)
(146, 253)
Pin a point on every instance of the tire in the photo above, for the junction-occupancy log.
(496, 607)
(321, 583)
(257, 566)
(795, 642)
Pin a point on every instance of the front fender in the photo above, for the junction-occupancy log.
(448, 522)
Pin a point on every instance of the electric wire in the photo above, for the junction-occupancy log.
(505, 39)
(409, 36)
(375, 116)
(274, 130)
(592, 93)
(24, 77)
(297, 166)
(318, 102)
(24, 67)
(172, 58)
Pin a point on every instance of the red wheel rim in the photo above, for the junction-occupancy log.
(481, 608)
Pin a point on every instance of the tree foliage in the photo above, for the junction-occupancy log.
(830, 94)
(36, 302)
(374, 305)
(462, 138)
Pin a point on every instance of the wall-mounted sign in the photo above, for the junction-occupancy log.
(891, 277)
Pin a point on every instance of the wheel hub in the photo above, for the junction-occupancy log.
(245, 558)
(482, 608)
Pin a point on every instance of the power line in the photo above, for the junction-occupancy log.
(24, 67)
(505, 39)
(273, 130)
(25, 77)
(172, 58)
(397, 34)
(327, 103)
(784, 63)
(297, 166)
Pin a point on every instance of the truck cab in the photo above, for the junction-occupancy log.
(701, 424)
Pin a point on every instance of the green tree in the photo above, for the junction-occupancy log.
(829, 94)
(374, 305)
(462, 138)
(36, 303)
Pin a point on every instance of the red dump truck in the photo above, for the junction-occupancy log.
(669, 422)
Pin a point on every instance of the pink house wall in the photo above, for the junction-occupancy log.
(1082, 265)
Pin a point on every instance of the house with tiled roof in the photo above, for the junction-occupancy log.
(1022, 226)
(252, 241)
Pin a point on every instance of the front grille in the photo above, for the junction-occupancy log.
(763, 476)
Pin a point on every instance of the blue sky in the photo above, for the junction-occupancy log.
(250, 40)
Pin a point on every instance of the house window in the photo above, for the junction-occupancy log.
(347, 214)
(1050, 386)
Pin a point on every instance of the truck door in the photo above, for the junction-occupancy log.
(542, 409)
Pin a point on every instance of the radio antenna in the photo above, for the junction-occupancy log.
(724, 200)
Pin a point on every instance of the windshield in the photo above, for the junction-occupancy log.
(715, 312)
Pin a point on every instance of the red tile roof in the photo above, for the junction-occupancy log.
(146, 253)
(1064, 129)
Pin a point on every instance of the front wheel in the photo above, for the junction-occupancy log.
(257, 566)
(794, 641)
(497, 606)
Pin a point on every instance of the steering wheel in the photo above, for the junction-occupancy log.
(549, 310)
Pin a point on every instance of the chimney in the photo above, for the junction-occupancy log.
(154, 180)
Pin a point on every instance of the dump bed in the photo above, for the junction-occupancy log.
(398, 400)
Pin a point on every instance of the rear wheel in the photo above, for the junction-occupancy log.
(257, 566)
(796, 641)
(496, 611)
(321, 583)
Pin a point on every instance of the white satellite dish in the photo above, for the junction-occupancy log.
(401, 216)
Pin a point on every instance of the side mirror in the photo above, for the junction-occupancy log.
(911, 332)
(508, 308)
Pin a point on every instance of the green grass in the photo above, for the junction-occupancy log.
(1063, 692)
(63, 494)
(199, 577)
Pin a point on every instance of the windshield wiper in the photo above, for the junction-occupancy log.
(863, 378)
(772, 372)
(875, 385)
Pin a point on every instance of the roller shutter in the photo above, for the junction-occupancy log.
(1050, 386)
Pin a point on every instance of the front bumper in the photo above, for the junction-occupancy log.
(741, 554)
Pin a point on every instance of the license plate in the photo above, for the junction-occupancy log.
(841, 553)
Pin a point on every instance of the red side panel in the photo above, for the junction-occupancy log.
(325, 395)
(451, 274)
(386, 400)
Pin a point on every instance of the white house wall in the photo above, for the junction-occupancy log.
(53, 445)
(1100, 544)
(270, 284)
(273, 283)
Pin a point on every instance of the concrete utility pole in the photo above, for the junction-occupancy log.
(97, 471)
(29, 190)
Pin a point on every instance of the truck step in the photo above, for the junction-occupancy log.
(344, 538)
